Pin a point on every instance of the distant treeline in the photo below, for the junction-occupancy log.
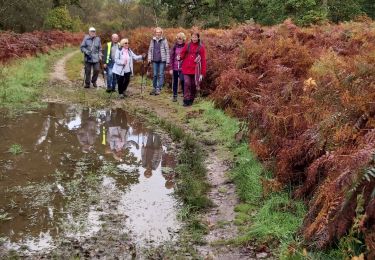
(116, 15)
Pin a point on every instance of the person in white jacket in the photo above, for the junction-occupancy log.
(123, 67)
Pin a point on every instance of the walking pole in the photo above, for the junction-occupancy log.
(142, 75)
(84, 73)
(103, 72)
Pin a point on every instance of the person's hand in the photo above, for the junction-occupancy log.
(105, 66)
(171, 72)
(200, 78)
(178, 57)
(143, 56)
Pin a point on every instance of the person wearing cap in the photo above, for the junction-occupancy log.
(109, 60)
(92, 50)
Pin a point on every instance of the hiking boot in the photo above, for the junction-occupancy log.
(108, 90)
(94, 85)
(86, 86)
(174, 99)
(187, 103)
(121, 96)
(157, 92)
(153, 92)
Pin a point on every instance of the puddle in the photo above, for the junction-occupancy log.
(79, 170)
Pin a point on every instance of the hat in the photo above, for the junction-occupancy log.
(92, 29)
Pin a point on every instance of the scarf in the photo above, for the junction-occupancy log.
(198, 70)
(125, 55)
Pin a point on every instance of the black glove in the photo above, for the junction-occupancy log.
(88, 56)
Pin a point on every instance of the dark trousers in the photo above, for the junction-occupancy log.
(190, 89)
(95, 74)
(177, 75)
(123, 82)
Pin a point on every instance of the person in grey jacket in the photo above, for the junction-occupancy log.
(92, 49)
(158, 54)
(123, 67)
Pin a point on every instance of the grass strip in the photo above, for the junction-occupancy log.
(22, 82)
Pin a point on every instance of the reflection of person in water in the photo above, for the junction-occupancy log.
(117, 134)
(151, 154)
(86, 134)
(117, 140)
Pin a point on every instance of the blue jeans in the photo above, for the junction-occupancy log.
(177, 75)
(111, 79)
(158, 68)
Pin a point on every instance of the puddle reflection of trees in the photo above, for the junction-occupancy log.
(72, 151)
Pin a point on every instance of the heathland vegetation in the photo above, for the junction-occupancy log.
(305, 97)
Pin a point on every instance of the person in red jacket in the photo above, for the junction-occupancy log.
(193, 57)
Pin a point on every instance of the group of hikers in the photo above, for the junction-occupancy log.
(186, 63)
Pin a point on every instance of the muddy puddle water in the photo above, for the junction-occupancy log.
(70, 172)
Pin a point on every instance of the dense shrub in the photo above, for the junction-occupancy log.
(59, 19)
(14, 45)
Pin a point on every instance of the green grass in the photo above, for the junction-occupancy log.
(74, 67)
(22, 81)
(279, 217)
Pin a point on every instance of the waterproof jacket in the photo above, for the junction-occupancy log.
(119, 67)
(92, 49)
(188, 58)
(164, 50)
(175, 51)
(108, 53)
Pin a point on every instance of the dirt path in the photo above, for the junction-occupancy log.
(58, 73)
(220, 218)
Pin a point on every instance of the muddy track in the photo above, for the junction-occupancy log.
(219, 218)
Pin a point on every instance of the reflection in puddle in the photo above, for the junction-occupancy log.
(79, 166)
